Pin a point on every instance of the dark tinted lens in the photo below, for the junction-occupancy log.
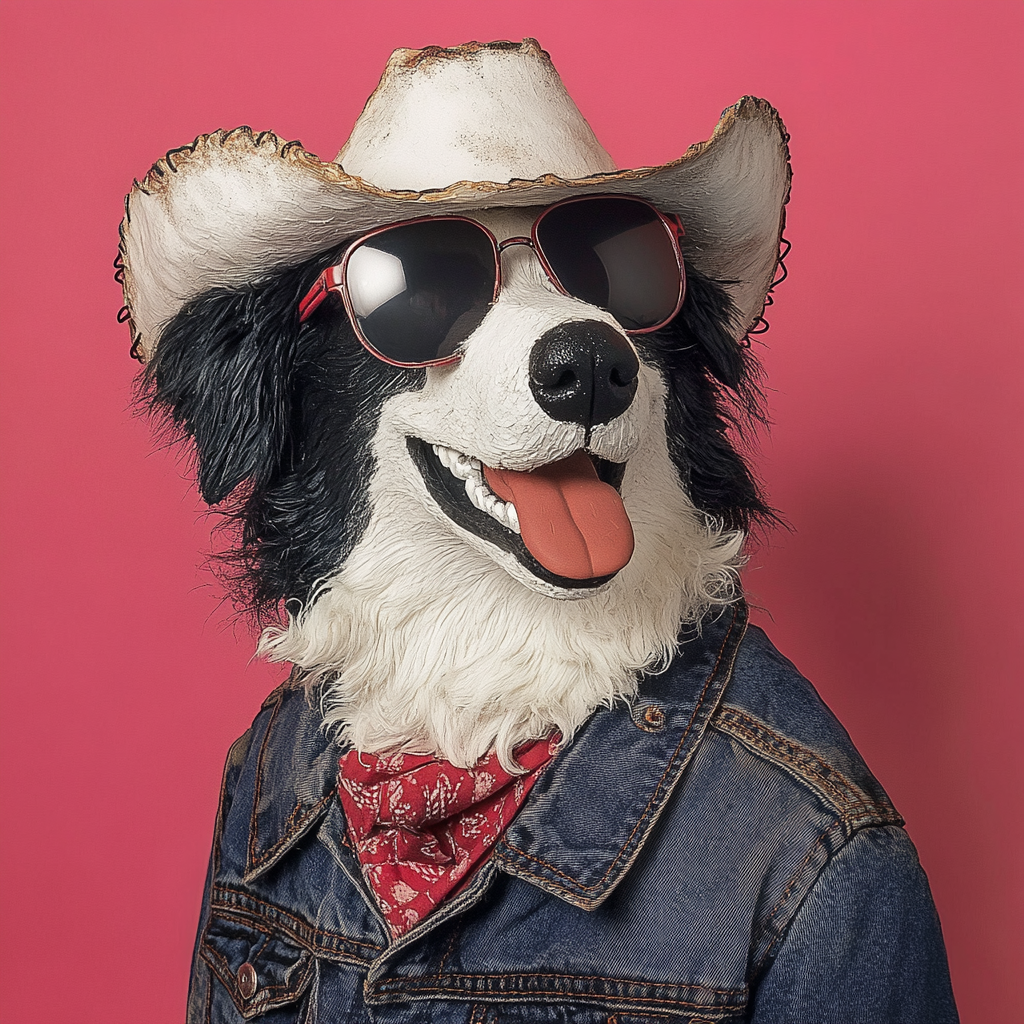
(419, 290)
(616, 254)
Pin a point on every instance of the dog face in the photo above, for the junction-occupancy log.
(366, 493)
(523, 398)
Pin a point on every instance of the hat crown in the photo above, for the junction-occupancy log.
(479, 112)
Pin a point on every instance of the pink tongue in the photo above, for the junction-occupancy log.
(570, 521)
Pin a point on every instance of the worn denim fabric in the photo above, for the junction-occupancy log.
(718, 851)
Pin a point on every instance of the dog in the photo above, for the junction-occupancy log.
(383, 539)
(470, 544)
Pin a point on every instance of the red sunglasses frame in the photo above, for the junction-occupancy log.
(333, 278)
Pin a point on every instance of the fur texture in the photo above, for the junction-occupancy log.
(418, 633)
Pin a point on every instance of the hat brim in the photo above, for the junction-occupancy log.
(236, 207)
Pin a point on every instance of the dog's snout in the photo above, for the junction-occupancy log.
(583, 372)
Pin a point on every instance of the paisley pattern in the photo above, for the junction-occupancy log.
(421, 826)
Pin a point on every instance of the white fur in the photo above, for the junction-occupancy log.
(430, 639)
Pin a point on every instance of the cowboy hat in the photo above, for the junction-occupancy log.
(447, 131)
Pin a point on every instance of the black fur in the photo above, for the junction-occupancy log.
(713, 391)
(282, 416)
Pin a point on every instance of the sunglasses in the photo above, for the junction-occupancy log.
(414, 291)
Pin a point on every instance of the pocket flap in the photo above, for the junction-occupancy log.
(259, 966)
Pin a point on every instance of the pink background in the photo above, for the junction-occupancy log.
(895, 366)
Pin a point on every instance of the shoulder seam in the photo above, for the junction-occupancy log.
(772, 927)
(856, 808)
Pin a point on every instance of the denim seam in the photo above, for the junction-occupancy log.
(614, 1018)
(506, 996)
(657, 789)
(254, 818)
(293, 817)
(848, 799)
(768, 922)
(299, 823)
(581, 977)
(757, 733)
(795, 877)
(299, 817)
(209, 995)
(294, 928)
(456, 932)
(218, 830)
(306, 947)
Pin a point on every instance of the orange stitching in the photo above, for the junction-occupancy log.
(456, 932)
(576, 977)
(225, 973)
(253, 820)
(289, 836)
(298, 922)
(795, 877)
(780, 935)
(294, 929)
(657, 789)
(309, 947)
(803, 754)
(802, 759)
(292, 818)
(209, 995)
(614, 1018)
(805, 765)
(563, 992)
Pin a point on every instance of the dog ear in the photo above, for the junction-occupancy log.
(713, 393)
(221, 373)
(707, 312)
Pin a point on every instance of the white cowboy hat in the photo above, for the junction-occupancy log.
(446, 131)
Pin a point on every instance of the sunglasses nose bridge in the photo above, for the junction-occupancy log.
(532, 245)
(515, 240)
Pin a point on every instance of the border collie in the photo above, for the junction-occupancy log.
(414, 610)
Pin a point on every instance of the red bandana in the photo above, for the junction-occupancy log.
(421, 826)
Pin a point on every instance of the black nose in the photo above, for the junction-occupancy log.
(583, 372)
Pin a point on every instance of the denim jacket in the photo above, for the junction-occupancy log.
(714, 851)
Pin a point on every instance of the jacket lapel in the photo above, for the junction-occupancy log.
(596, 804)
(296, 773)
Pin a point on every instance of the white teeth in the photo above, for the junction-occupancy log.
(462, 467)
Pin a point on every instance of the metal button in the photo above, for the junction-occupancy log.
(247, 980)
(650, 718)
(654, 716)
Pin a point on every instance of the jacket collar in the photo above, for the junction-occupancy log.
(589, 813)
(296, 774)
(594, 807)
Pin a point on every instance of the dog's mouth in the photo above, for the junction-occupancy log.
(564, 521)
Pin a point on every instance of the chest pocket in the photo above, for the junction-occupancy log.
(263, 974)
